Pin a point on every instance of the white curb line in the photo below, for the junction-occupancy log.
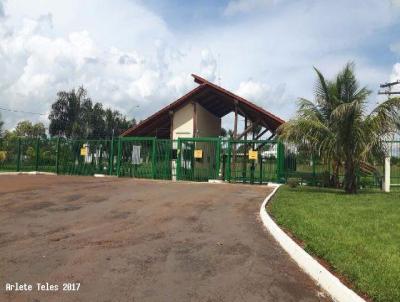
(27, 173)
(331, 284)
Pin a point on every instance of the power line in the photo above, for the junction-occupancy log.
(388, 87)
(20, 111)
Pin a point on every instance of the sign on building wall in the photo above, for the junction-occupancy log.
(198, 153)
(253, 154)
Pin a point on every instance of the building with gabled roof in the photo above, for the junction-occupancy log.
(199, 112)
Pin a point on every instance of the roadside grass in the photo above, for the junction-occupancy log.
(358, 235)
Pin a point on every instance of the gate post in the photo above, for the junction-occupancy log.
(57, 155)
(37, 155)
(19, 155)
(111, 160)
(229, 160)
(153, 159)
(261, 167)
(386, 181)
(178, 160)
(280, 161)
(218, 159)
(119, 156)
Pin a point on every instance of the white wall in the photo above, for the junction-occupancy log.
(207, 123)
(183, 122)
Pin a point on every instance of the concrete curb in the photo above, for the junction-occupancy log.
(325, 279)
(27, 173)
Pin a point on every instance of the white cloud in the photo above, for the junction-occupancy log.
(253, 90)
(395, 2)
(395, 75)
(263, 94)
(37, 61)
(208, 65)
(126, 55)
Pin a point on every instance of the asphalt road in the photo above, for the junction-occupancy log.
(137, 240)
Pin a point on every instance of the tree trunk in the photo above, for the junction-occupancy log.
(335, 174)
(350, 177)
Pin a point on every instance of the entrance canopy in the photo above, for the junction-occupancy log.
(214, 99)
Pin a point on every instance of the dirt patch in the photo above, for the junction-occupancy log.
(135, 240)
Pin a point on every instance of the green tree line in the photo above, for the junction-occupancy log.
(74, 115)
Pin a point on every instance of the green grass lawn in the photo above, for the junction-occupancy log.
(359, 235)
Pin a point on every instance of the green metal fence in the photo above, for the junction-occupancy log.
(194, 159)
(313, 170)
(395, 163)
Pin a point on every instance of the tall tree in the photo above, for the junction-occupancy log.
(28, 129)
(337, 127)
(66, 116)
(74, 115)
(116, 123)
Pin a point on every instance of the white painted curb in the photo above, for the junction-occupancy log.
(27, 173)
(331, 284)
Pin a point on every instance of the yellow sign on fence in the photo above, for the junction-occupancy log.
(84, 151)
(253, 154)
(198, 153)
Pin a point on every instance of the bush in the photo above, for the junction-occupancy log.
(293, 182)
(3, 156)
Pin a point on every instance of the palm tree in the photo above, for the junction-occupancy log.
(337, 127)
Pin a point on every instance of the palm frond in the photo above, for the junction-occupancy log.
(308, 108)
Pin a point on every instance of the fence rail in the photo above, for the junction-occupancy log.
(195, 159)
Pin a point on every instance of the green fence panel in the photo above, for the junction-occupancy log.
(84, 157)
(163, 156)
(198, 159)
(46, 152)
(28, 154)
(252, 161)
(136, 157)
(394, 148)
(9, 154)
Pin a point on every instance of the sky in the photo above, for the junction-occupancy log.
(137, 56)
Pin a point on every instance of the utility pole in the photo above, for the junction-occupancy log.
(388, 88)
(388, 91)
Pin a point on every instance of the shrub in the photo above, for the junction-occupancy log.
(3, 156)
(293, 182)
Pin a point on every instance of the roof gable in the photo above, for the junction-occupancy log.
(215, 99)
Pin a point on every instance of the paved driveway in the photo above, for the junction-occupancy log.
(134, 240)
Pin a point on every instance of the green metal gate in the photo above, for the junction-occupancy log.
(144, 157)
(198, 159)
(253, 161)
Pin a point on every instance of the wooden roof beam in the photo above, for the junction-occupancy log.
(247, 130)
